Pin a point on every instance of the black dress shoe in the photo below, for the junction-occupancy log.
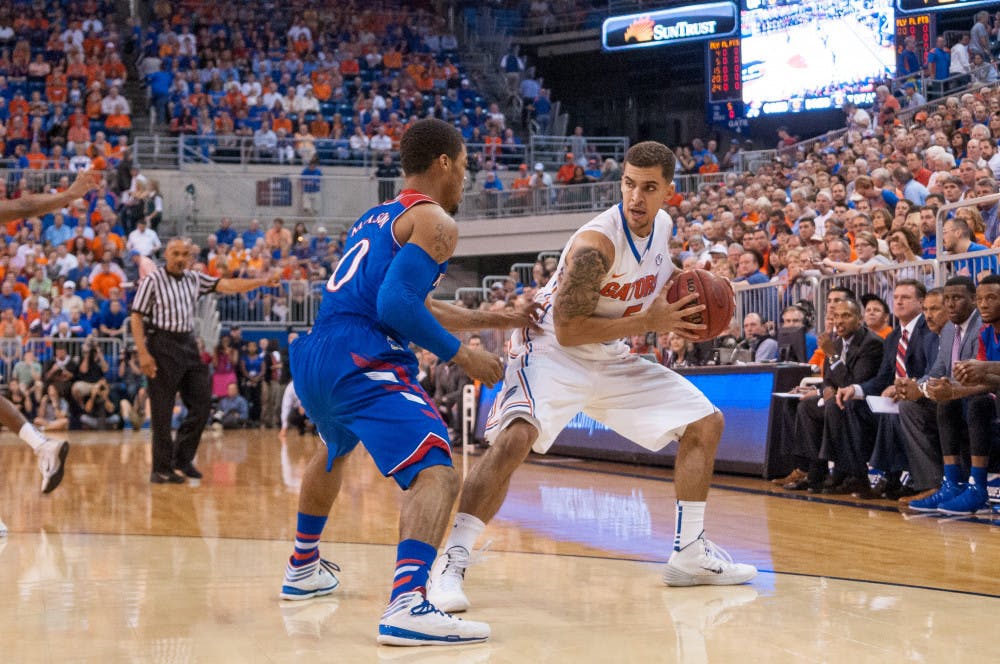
(191, 471)
(850, 485)
(902, 491)
(800, 484)
(166, 478)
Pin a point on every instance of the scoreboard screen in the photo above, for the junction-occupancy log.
(939, 5)
(813, 55)
(724, 70)
(918, 26)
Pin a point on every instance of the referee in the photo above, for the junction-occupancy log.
(162, 320)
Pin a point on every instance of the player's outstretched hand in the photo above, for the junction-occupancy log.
(84, 182)
(480, 365)
(273, 278)
(667, 317)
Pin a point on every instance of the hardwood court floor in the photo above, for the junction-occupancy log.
(112, 569)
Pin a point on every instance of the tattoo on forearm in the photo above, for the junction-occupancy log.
(580, 289)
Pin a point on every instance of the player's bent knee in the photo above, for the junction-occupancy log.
(445, 479)
(517, 439)
(706, 430)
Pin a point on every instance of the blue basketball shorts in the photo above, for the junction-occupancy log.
(358, 384)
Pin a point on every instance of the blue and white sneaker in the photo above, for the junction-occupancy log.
(931, 503)
(3, 529)
(971, 501)
(308, 581)
(411, 620)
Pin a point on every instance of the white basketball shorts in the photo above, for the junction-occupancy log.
(643, 401)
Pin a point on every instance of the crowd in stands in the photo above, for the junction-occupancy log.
(302, 82)
(61, 76)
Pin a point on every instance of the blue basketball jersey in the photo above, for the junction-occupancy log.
(354, 285)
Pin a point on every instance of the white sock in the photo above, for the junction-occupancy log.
(465, 532)
(31, 436)
(690, 522)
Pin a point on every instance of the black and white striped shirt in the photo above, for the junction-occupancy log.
(167, 302)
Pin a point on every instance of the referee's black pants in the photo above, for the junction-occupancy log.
(178, 369)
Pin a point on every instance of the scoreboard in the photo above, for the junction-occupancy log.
(907, 6)
(918, 26)
(769, 57)
(725, 70)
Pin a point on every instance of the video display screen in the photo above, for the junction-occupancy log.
(803, 55)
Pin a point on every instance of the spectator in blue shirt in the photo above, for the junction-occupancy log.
(225, 235)
(113, 319)
(233, 411)
(252, 234)
(958, 240)
(58, 233)
(9, 298)
(492, 182)
(160, 83)
(939, 60)
(543, 110)
(319, 244)
(748, 268)
(909, 63)
(913, 191)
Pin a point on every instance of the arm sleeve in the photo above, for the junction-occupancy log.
(401, 302)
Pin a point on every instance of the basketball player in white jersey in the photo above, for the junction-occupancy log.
(608, 286)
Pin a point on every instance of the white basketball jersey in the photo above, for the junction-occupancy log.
(640, 269)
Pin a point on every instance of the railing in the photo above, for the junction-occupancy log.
(551, 150)
(291, 304)
(557, 199)
(876, 281)
(12, 351)
(689, 184)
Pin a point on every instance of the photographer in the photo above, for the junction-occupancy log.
(99, 412)
(60, 370)
(92, 369)
(52, 411)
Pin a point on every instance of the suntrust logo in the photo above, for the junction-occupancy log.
(669, 26)
(644, 30)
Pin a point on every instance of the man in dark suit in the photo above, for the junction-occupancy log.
(821, 428)
(959, 341)
(904, 353)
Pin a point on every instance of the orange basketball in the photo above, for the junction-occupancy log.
(714, 292)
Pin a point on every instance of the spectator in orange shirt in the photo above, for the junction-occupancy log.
(282, 122)
(278, 237)
(322, 85)
(393, 60)
(36, 158)
(56, 86)
(92, 105)
(565, 172)
(105, 278)
(18, 105)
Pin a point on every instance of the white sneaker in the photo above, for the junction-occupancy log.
(3, 529)
(444, 588)
(411, 620)
(703, 563)
(52, 462)
(310, 580)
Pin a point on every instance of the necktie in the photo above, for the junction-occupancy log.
(901, 354)
(956, 346)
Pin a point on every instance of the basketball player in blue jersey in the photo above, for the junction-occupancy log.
(357, 380)
(608, 286)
